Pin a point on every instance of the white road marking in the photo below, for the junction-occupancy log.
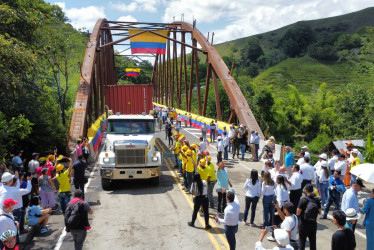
(356, 231)
(63, 233)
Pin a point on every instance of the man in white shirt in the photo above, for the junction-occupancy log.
(231, 219)
(295, 185)
(179, 120)
(301, 161)
(341, 165)
(202, 145)
(252, 142)
(333, 160)
(307, 171)
(33, 166)
(304, 149)
(257, 145)
(231, 134)
(225, 143)
(7, 191)
(219, 149)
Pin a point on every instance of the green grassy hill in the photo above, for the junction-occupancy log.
(307, 73)
(347, 23)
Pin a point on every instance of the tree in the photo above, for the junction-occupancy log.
(296, 40)
(251, 52)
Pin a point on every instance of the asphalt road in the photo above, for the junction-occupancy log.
(140, 215)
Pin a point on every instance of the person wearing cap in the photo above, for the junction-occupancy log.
(350, 199)
(335, 188)
(317, 167)
(9, 241)
(356, 161)
(307, 228)
(368, 210)
(33, 166)
(17, 162)
(188, 169)
(223, 184)
(295, 185)
(304, 149)
(343, 238)
(350, 148)
(211, 179)
(231, 218)
(219, 149)
(288, 160)
(63, 178)
(352, 217)
(281, 239)
(323, 180)
(7, 221)
(307, 171)
(334, 159)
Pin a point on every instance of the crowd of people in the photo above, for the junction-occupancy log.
(288, 216)
(28, 195)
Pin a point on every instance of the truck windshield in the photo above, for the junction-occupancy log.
(126, 127)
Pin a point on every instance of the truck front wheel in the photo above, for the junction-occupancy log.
(105, 183)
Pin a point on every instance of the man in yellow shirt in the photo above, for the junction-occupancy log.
(356, 161)
(203, 170)
(63, 179)
(176, 150)
(211, 180)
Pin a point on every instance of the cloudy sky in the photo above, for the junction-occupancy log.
(228, 19)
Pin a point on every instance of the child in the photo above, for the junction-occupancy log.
(35, 216)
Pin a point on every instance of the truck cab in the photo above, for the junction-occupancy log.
(129, 151)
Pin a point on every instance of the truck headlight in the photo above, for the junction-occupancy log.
(154, 158)
(106, 160)
(108, 173)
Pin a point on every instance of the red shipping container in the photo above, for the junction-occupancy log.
(129, 99)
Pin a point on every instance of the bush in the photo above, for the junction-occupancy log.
(318, 144)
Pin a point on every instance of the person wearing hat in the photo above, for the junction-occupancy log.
(307, 171)
(281, 239)
(352, 217)
(356, 161)
(7, 221)
(63, 178)
(350, 199)
(33, 166)
(336, 187)
(368, 210)
(290, 222)
(308, 226)
(288, 160)
(231, 218)
(317, 167)
(17, 162)
(304, 149)
(211, 179)
(219, 149)
(350, 148)
(343, 238)
(188, 169)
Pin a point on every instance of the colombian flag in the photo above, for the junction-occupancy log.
(207, 140)
(147, 42)
(181, 137)
(132, 71)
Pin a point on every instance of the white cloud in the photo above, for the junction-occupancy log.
(85, 17)
(127, 18)
(136, 5)
(249, 17)
(61, 5)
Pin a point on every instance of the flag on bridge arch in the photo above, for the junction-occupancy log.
(148, 42)
(132, 71)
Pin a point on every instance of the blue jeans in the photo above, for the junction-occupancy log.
(317, 182)
(189, 176)
(63, 198)
(210, 192)
(230, 232)
(324, 187)
(248, 201)
(242, 149)
(177, 161)
(226, 153)
(267, 202)
(332, 198)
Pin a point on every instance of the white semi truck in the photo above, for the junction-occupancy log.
(129, 151)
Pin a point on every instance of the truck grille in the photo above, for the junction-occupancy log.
(126, 157)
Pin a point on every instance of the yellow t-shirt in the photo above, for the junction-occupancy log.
(355, 162)
(212, 172)
(177, 148)
(189, 165)
(194, 156)
(171, 115)
(203, 172)
(63, 180)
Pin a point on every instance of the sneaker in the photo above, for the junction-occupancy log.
(270, 238)
(44, 230)
(252, 225)
(323, 217)
(183, 188)
(190, 224)
(207, 227)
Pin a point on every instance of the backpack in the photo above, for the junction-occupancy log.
(311, 211)
(74, 215)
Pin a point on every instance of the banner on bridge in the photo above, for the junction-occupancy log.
(148, 43)
(132, 71)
